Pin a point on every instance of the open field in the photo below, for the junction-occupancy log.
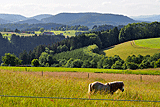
(129, 48)
(155, 71)
(69, 33)
(149, 43)
(8, 34)
(75, 85)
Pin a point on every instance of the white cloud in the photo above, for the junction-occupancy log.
(106, 3)
(126, 7)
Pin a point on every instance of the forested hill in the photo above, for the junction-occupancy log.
(88, 19)
(18, 44)
(85, 19)
(101, 39)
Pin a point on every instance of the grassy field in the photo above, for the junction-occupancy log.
(91, 70)
(149, 43)
(69, 33)
(8, 34)
(129, 48)
(75, 85)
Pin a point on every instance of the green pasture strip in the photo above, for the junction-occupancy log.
(129, 48)
(66, 33)
(149, 43)
(89, 70)
(8, 34)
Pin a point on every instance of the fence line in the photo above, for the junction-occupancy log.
(78, 98)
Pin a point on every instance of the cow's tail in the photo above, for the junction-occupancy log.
(90, 88)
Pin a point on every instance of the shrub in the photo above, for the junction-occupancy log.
(117, 65)
(35, 62)
(132, 65)
(157, 64)
(77, 63)
(86, 64)
(68, 64)
(11, 59)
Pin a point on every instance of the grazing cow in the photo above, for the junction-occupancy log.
(110, 87)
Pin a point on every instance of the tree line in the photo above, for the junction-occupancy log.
(76, 27)
(105, 27)
(86, 58)
(102, 39)
(18, 44)
(36, 27)
(28, 27)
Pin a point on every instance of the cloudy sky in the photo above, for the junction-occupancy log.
(31, 8)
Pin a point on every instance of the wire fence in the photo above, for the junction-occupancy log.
(77, 98)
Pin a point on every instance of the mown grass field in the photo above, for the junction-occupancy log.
(129, 48)
(69, 33)
(91, 70)
(8, 34)
(149, 43)
(75, 85)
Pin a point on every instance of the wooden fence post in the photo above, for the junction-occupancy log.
(88, 75)
(42, 73)
(141, 78)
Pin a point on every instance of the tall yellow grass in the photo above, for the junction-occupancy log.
(74, 85)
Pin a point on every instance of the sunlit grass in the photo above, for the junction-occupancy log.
(129, 48)
(66, 33)
(150, 43)
(23, 84)
(93, 70)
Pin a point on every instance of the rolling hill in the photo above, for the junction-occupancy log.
(12, 18)
(2, 21)
(149, 18)
(41, 16)
(85, 19)
(133, 48)
(88, 19)
(29, 21)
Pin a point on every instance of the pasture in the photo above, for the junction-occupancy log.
(66, 33)
(75, 85)
(129, 48)
(149, 43)
(155, 71)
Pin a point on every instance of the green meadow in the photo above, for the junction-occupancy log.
(130, 48)
(149, 43)
(75, 85)
(88, 70)
(66, 33)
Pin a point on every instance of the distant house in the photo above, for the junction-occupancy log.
(48, 33)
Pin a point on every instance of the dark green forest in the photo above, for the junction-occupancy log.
(18, 44)
(70, 52)
(36, 27)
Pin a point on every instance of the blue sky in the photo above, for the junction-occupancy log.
(31, 8)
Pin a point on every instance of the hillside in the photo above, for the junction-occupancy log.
(2, 21)
(85, 19)
(130, 48)
(29, 21)
(149, 18)
(41, 16)
(12, 17)
(149, 43)
(88, 19)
